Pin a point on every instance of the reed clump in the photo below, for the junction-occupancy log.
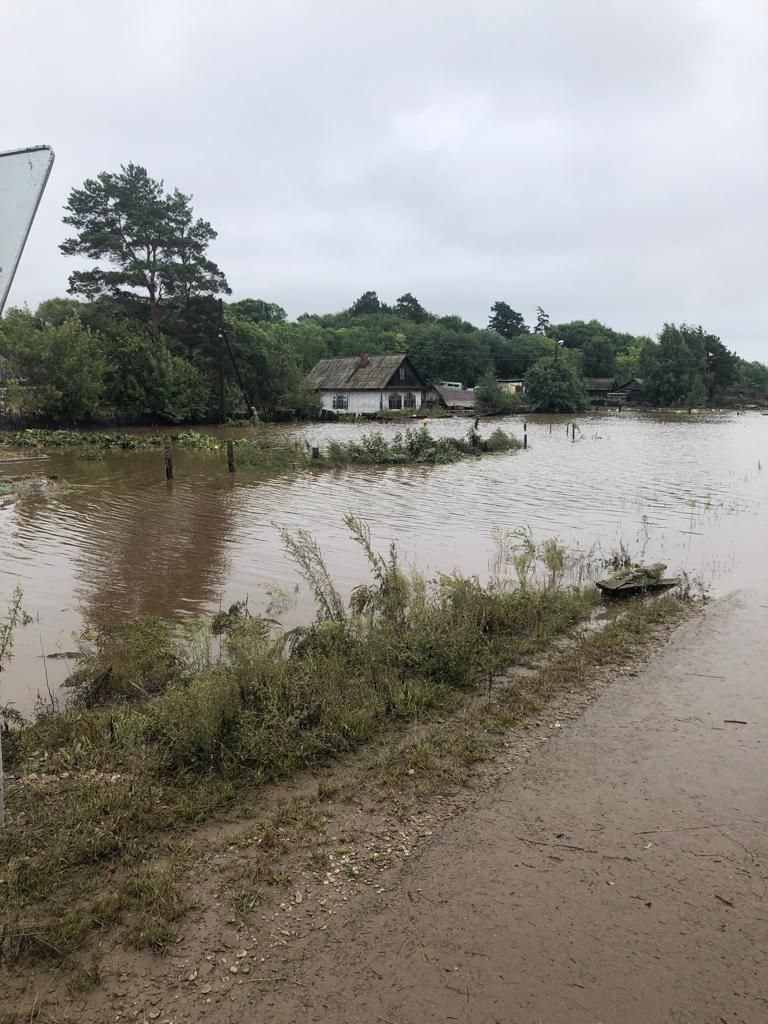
(416, 445)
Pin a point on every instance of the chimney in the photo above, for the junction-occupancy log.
(364, 359)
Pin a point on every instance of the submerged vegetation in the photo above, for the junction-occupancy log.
(416, 446)
(413, 445)
(39, 438)
(168, 723)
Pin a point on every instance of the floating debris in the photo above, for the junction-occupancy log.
(12, 487)
(637, 579)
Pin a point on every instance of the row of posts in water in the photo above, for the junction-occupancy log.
(168, 451)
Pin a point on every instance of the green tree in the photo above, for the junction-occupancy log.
(752, 382)
(542, 321)
(506, 321)
(54, 312)
(450, 348)
(605, 352)
(59, 368)
(628, 364)
(273, 374)
(552, 385)
(367, 303)
(512, 358)
(149, 240)
(688, 365)
(697, 391)
(721, 368)
(670, 368)
(409, 308)
(144, 379)
(259, 311)
(599, 358)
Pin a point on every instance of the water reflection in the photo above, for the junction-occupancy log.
(116, 540)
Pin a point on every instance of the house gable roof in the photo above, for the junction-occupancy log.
(348, 373)
(600, 383)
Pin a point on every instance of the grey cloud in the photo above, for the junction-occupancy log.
(600, 158)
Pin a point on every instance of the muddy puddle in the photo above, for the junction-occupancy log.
(114, 539)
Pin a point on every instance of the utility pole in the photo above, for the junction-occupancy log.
(224, 341)
(220, 358)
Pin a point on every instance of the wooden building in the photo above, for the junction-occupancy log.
(599, 388)
(355, 385)
(457, 399)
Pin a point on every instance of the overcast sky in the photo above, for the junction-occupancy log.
(602, 158)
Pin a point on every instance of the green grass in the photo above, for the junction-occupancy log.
(164, 732)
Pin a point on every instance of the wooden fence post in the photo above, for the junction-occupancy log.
(168, 457)
(230, 457)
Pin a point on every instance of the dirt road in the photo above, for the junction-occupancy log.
(620, 876)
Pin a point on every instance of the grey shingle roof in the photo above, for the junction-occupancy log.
(348, 372)
(600, 383)
(456, 398)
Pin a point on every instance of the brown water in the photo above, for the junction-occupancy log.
(114, 539)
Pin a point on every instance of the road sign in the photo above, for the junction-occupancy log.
(23, 177)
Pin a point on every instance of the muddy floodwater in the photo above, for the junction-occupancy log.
(113, 539)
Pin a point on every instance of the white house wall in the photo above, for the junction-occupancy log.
(366, 401)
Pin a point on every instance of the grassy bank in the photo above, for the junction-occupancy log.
(270, 453)
(169, 725)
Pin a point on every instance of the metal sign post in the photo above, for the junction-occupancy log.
(23, 176)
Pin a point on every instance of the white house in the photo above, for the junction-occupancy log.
(367, 384)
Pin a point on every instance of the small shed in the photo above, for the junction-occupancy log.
(599, 388)
(459, 400)
(632, 390)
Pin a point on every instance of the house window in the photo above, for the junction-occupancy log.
(341, 401)
(395, 400)
(401, 373)
(410, 401)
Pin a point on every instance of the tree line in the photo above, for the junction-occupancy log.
(147, 335)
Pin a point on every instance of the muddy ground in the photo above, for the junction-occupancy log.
(611, 865)
(621, 875)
